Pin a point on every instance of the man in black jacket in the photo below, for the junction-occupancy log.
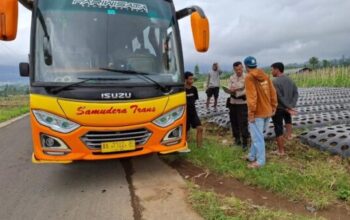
(192, 116)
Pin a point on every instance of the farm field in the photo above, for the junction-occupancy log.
(326, 108)
(13, 106)
(326, 77)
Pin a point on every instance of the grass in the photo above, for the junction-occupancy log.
(327, 77)
(214, 207)
(13, 106)
(201, 83)
(305, 175)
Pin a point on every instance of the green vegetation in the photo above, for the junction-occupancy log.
(196, 70)
(13, 106)
(326, 77)
(314, 62)
(212, 207)
(13, 90)
(305, 175)
(201, 81)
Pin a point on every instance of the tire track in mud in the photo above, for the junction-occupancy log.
(135, 201)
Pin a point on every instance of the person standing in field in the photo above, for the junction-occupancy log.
(192, 116)
(287, 94)
(238, 106)
(213, 86)
(262, 104)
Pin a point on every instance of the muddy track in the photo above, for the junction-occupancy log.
(228, 186)
(135, 201)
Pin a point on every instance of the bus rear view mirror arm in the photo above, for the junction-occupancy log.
(188, 11)
(27, 3)
(200, 26)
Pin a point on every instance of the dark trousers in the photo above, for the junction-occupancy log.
(239, 123)
(280, 116)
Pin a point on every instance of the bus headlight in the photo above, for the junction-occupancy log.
(55, 122)
(170, 117)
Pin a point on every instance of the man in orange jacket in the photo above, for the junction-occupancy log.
(262, 104)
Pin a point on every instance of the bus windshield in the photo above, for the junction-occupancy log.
(86, 38)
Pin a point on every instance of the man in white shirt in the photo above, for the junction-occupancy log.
(238, 106)
(213, 85)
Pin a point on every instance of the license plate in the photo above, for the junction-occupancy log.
(118, 146)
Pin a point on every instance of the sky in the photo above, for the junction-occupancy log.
(290, 31)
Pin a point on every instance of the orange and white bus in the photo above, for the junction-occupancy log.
(106, 76)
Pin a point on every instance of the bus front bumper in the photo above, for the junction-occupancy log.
(80, 151)
(37, 161)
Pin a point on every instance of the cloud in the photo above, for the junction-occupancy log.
(285, 30)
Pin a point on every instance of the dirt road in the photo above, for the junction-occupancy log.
(138, 188)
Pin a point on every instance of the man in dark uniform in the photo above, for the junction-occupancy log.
(238, 106)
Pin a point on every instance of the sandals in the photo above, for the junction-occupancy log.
(288, 137)
(246, 158)
(254, 165)
(278, 153)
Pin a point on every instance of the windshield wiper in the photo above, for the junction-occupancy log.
(46, 43)
(84, 80)
(144, 76)
(43, 23)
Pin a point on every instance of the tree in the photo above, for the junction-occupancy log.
(325, 63)
(314, 62)
(342, 62)
(6, 90)
(196, 70)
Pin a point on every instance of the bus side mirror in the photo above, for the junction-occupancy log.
(24, 69)
(8, 19)
(200, 30)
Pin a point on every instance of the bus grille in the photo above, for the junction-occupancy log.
(93, 139)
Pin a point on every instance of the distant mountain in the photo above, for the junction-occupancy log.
(10, 75)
